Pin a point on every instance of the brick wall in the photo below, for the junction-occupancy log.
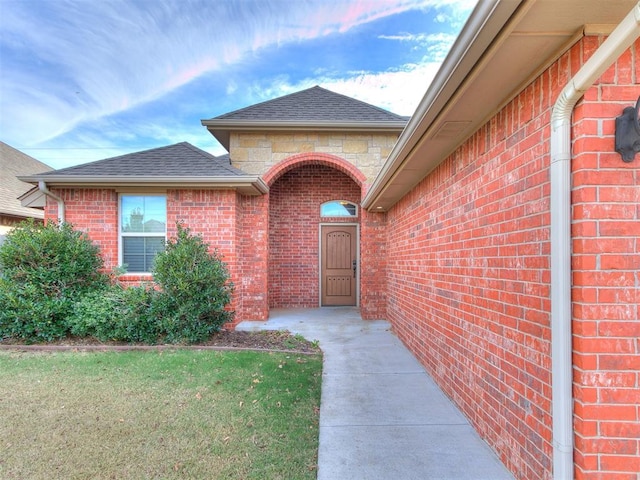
(373, 261)
(210, 213)
(468, 277)
(95, 212)
(294, 218)
(242, 228)
(252, 289)
(606, 279)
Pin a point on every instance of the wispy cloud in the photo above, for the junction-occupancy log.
(434, 45)
(118, 54)
(72, 68)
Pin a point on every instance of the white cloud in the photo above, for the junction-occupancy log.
(398, 91)
(120, 54)
(436, 44)
(70, 67)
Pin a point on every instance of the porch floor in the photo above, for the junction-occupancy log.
(381, 414)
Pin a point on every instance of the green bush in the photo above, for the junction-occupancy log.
(194, 289)
(44, 270)
(50, 287)
(116, 314)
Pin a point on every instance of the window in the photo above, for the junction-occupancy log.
(143, 228)
(338, 208)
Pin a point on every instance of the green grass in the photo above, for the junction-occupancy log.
(162, 414)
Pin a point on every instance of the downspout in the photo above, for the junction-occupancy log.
(620, 40)
(42, 186)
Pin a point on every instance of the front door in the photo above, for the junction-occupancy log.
(338, 265)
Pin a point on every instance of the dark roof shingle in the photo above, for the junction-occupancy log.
(178, 160)
(313, 104)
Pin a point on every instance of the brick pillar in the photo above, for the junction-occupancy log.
(253, 253)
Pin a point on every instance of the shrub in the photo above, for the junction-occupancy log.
(116, 313)
(44, 269)
(194, 289)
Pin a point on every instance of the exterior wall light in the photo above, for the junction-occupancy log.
(628, 133)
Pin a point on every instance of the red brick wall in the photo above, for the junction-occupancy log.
(253, 256)
(210, 213)
(606, 279)
(239, 228)
(213, 215)
(373, 261)
(468, 278)
(94, 212)
(294, 218)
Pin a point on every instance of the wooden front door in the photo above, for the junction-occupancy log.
(338, 265)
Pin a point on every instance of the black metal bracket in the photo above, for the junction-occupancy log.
(628, 133)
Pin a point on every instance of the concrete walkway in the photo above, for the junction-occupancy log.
(381, 416)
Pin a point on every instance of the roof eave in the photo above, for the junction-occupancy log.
(488, 66)
(482, 27)
(247, 185)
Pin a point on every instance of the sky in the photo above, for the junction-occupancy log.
(82, 80)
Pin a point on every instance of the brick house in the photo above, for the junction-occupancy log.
(497, 229)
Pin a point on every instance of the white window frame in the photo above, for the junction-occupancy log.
(122, 234)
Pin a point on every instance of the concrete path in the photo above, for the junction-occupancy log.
(381, 416)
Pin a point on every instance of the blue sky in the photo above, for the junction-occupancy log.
(90, 79)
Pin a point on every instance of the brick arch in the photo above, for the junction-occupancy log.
(313, 158)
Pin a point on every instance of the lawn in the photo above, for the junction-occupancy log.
(159, 414)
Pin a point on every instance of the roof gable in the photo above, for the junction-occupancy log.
(308, 110)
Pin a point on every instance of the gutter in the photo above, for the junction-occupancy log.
(42, 186)
(624, 35)
(303, 125)
(254, 182)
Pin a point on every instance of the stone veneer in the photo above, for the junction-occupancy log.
(256, 152)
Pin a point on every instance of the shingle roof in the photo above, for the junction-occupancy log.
(14, 163)
(313, 109)
(178, 160)
(313, 104)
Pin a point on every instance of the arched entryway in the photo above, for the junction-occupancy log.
(298, 188)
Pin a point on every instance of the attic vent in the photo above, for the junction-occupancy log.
(450, 130)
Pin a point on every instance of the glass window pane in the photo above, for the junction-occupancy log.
(131, 212)
(338, 209)
(133, 253)
(141, 214)
(155, 214)
(139, 253)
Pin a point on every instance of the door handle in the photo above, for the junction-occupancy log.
(355, 264)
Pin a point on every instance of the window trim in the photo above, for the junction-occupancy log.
(122, 234)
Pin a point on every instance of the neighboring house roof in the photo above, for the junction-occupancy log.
(14, 163)
(180, 164)
(313, 109)
(502, 48)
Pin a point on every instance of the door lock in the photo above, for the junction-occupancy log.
(355, 264)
